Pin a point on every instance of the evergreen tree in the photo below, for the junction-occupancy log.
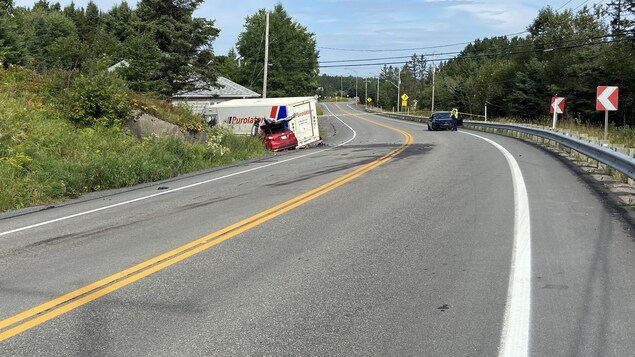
(92, 19)
(47, 35)
(10, 40)
(120, 21)
(227, 66)
(293, 66)
(144, 59)
(185, 42)
(623, 16)
(526, 98)
(6, 7)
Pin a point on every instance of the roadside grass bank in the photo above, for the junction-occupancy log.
(62, 136)
(624, 135)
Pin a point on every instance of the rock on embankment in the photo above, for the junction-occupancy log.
(144, 124)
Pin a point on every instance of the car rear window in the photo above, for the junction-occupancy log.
(441, 115)
(277, 129)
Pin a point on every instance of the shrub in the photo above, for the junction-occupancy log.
(100, 99)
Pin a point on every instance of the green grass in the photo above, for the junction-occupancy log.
(45, 158)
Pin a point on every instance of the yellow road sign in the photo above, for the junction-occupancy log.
(404, 103)
(369, 99)
(404, 97)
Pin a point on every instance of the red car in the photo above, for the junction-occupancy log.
(277, 137)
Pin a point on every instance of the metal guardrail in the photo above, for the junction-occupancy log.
(616, 160)
(415, 118)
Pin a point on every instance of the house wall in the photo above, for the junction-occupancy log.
(198, 105)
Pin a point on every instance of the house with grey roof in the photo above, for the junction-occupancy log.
(120, 64)
(198, 100)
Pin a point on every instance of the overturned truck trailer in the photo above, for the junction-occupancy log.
(244, 116)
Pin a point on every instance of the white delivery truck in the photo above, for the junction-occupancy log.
(241, 114)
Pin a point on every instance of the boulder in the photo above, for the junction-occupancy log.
(144, 124)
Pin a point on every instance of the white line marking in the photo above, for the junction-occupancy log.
(180, 188)
(515, 335)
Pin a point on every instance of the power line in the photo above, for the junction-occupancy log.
(529, 45)
(384, 58)
(544, 47)
(412, 48)
(478, 56)
(577, 7)
(565, 4)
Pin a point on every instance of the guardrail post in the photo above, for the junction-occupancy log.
(618, 148)
(631, 153)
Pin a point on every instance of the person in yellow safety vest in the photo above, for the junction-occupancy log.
(454, 115)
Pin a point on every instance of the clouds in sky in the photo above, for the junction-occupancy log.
(371, 24)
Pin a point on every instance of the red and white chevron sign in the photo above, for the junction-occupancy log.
(607, 98)
(557, 105)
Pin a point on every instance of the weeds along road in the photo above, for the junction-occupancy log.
(389, 240)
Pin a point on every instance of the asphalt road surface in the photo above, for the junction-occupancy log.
(388, 240)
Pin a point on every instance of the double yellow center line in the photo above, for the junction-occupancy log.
(58, 306)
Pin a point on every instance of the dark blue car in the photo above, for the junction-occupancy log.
(442, 120)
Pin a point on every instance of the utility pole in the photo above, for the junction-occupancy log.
(486, 112)
(264, 81)
(433, 70)
(341, 90)
(356, 96)
(377, 90)
(366, 93)
(398, 88)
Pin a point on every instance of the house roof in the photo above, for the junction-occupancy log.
(260, 102)
(119, 64)
(225, 89)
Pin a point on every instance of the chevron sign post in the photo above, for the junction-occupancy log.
(557, 107)
(607, 101)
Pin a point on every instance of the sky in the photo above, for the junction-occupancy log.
(370, 29)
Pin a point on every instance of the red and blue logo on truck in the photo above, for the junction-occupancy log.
(278, 112)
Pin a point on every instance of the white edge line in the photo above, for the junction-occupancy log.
(182, 188)
(515, 333)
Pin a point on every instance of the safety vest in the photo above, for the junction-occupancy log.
(455, 113)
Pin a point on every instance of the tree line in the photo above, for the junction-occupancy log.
(168, 49)
(165, 47)
(566, 53)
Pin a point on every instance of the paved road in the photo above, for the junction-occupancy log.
(389, 240)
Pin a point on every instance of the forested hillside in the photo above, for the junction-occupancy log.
(166, 47)
(562, 52)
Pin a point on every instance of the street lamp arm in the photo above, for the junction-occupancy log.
(396, 86)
